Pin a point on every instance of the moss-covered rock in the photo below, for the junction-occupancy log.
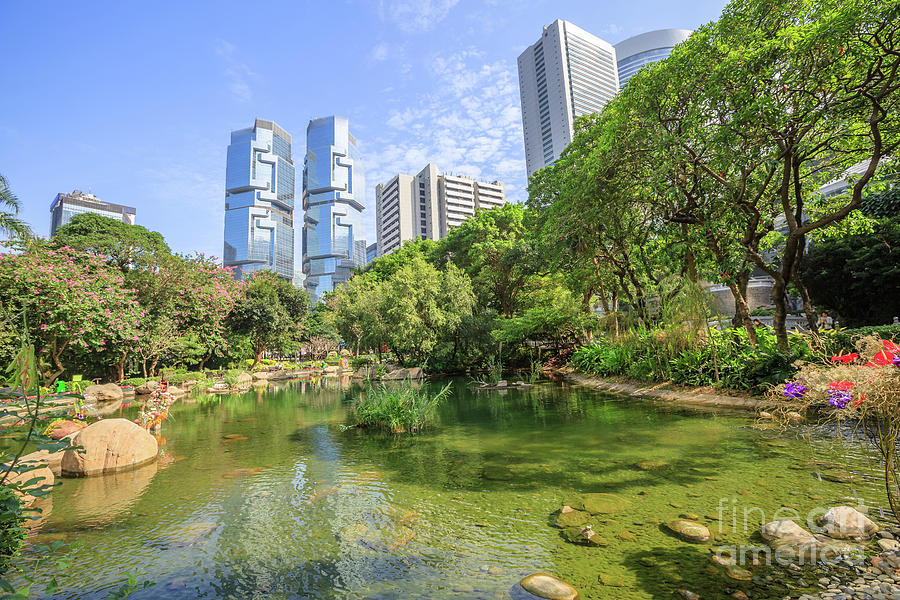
(604, 504)
(690, 531)
(569, 517)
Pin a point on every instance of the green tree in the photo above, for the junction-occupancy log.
(493, 250)
(122, 244)
(10, 224)
(271, 313)
(421, 306)
(857, 276)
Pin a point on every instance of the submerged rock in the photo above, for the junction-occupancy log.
(602, 504)
(845, 522)
(569, 517)
(649, 465)
(585, 536)
(690, 531)
(548, 587)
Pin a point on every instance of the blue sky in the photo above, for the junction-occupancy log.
(135, 101)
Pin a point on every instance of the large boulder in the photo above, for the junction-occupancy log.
(109, 445)
(415, 373)
(260, 376)
(244, 379)
(847, 523)
(280, 375)
(396, 375)
(107, 393)
(146, 388)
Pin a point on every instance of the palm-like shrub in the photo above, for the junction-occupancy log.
(10, 224)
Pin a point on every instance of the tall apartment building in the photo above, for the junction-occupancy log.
(567, 73)
(647, 48)
(66, 206)
(333, 203)
(428, 204)
(259, 201)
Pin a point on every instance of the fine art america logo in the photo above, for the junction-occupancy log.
(822, 534)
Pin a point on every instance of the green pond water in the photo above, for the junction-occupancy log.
(266, 495)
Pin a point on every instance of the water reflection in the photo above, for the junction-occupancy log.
(266, 495)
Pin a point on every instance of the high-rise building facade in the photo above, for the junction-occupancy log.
(567, 73)
(428, 204)
(259, 201)
(333, 203)
(66, 206)
(647, 48)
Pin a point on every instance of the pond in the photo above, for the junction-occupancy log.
(267, 494)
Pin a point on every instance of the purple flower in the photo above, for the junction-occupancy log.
(896, 361)
(839, 398)
(794, 391)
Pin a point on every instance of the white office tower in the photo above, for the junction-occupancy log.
(565, 74)
(427, 205)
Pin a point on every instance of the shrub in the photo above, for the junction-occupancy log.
(134, 381)
(399, 409)
(861, 387)
(724, 359)
(12, 532)
(842, 341)
(177, 378)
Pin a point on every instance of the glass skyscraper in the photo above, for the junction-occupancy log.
(259, 201)
(333, 203)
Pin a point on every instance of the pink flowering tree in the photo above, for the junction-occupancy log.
(186, 300)
(73, 304)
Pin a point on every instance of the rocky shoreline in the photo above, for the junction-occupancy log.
(659, 393)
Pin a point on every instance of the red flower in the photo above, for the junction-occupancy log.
(841, 385)
(890, 346)
(846, 358)
(882, 359)
(860, 400)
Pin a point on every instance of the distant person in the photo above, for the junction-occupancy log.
(757, 323)
(825, 322)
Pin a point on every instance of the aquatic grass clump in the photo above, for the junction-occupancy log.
(399, 409)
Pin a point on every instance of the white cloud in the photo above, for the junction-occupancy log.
(237, 73)
(469, 124)
(417, 16)
(379, 52)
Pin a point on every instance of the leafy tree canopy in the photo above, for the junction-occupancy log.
(124, 245)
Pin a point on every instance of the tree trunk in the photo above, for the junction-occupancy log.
(743, 311)
(153, 364)
(120, 367)
(779, 322)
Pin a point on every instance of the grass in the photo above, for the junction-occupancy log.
(399, 409)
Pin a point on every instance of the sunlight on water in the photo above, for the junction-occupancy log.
(264, 495)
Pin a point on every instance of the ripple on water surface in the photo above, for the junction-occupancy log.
(266, 495)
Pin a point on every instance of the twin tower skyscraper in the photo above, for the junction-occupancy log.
(259, 204)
